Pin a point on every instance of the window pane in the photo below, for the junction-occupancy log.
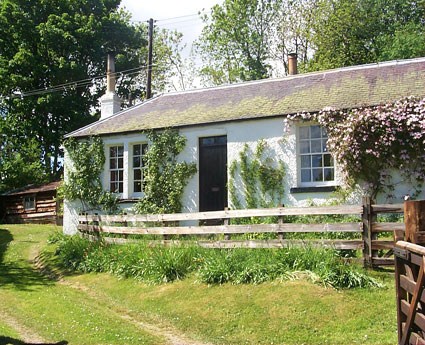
(137, 187)
(316, 146)
(136, 150)
(113, 176)
(324, 133)
(120, 151)
(324, 145)
(120, 163)
(137, 174)
(315, 131)
(113, 151)
(120, 175)
(304, 132)
(304, 147)
(317, 175)
(305, 161)
(120, 187)
(329, 174)
(328, 160)
(112, 164)
(144, 148)
(305, 175)
(136, 162)
(316, 161)
(113, 187)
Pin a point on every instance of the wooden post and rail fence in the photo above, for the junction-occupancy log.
(404, 242)
(271, 228)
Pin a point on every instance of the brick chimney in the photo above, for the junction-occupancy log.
(292, 64)
(110, 103)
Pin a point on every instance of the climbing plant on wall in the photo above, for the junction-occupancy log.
(85, 163)
(259, 176)
(164, 177)
(371, 143)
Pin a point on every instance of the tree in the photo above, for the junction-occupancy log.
(352, 32)
(234, 44)
(293, 23)
(48, 43)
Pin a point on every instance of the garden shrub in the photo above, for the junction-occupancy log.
(211, 266)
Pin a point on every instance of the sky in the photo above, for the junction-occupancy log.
(181, 15)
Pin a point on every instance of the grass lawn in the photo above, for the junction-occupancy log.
(102, 309)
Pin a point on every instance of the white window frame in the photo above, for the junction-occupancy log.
(116, 168)
(26, 202)
(322, 152)
(132, 168)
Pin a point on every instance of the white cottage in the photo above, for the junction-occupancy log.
(219, 121)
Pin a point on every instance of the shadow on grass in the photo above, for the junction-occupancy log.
(16, 272)
(12, 341)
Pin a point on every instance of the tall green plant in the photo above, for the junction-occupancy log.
(86, 162)
(261, 179)
(164, 177)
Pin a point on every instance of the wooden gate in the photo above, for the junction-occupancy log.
(410, 279)
(410, 276)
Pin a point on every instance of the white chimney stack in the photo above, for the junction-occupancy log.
(110, 103)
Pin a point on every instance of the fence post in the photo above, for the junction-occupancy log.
(367, 231)
(96, 231)
(226, 222)
(414, 219)
(280, 235)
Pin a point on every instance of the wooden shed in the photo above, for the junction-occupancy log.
(32, 204)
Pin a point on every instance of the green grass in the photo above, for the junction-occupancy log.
(88, 308)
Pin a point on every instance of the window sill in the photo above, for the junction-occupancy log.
(319, 189)
(124, 201)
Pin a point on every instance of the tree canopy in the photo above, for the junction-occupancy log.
(251, 39)
(52, 67)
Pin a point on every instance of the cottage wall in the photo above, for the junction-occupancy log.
(282, 145)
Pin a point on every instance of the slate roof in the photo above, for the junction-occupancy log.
(342, 88)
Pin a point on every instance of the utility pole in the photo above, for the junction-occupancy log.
(150, 49)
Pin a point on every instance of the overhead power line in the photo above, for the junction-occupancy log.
(77, 83)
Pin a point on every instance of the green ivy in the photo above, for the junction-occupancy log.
(87, 159)
(261, 179)
(164, 177)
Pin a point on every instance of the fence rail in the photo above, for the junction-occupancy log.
(217, 229)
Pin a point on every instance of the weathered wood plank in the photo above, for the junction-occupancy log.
(223, 229)
(252, 244)
(266, 212)
(419, 319)
(387, 227)
(336, 244)
(376, 261)
(382, 244)
(388, 208)
(409, 285)
(411, 247)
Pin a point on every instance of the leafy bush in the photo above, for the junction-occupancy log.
(212, 266)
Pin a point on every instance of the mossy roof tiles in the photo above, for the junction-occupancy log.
(342, 88)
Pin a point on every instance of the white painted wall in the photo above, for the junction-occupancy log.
(282, 144)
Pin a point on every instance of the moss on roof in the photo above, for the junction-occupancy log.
(340, 88)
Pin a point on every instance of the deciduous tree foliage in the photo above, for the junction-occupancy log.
(235, 41)
(46, 43)
(251, 39)
(352, 32)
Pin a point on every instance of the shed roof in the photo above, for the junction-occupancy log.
(342, 88)
(33, 189)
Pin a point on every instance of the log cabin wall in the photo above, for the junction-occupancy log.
(32, 205)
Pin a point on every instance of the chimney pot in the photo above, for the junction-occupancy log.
(110, 103)
(292, 64)
(110, 73)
